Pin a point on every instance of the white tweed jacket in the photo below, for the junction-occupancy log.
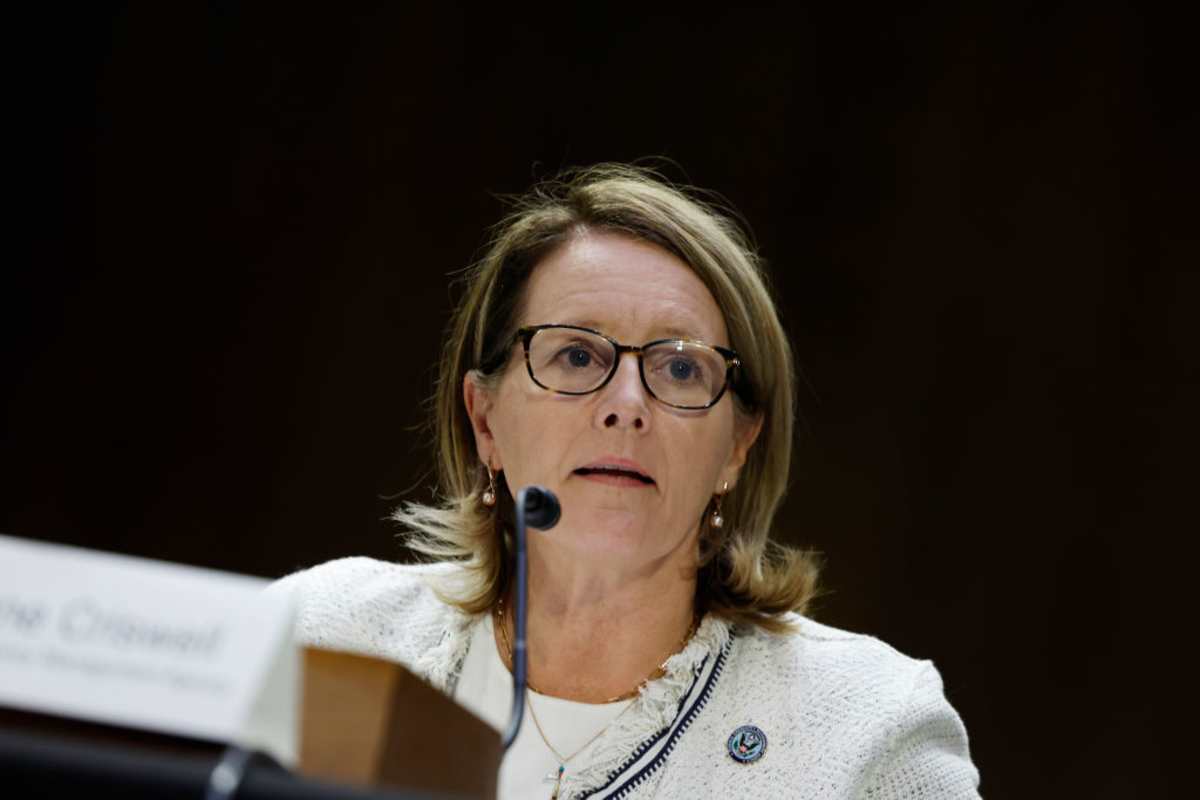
(844, 715)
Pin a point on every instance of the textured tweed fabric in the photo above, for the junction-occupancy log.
(845, 715)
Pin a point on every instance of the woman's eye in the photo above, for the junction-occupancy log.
(578, 357)
(681, 369)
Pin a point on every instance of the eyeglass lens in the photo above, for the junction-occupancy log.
(578, 362)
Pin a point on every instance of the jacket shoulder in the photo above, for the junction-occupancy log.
(850, 654)
(816, 656)
(363, 605)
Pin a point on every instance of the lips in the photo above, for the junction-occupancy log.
(616, 470)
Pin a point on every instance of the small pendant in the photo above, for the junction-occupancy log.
(557, 778)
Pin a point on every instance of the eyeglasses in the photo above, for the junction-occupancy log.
(683, 374)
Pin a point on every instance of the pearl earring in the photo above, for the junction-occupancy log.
(489, 494)
(717, 520)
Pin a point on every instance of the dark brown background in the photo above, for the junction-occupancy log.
(229, 276)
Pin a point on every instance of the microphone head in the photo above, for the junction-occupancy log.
(542, 508)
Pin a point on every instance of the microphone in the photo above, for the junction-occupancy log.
(542, 508)
(538, 507)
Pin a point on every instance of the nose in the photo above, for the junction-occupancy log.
(624, 403)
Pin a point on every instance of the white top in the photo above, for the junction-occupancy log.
(845, 716)
(529, 769)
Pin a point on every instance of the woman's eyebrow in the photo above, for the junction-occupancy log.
(666, 332)
(680, 333)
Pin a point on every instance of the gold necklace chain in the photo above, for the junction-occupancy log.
(564, 760)
(660, 670)
(501, 621)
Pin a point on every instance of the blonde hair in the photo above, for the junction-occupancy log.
(743, 575)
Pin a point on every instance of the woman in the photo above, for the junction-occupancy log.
(618, 345)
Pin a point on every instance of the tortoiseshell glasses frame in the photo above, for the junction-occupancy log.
(722, 355)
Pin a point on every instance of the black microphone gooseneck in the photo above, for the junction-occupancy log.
(540, 508)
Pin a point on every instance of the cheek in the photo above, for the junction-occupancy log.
(512, 442)
(531, 436)
(697, 457)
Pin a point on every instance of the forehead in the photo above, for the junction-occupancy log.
(630, 289)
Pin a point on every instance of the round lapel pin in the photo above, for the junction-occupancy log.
(747, 744)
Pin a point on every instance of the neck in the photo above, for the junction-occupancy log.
(598, 631)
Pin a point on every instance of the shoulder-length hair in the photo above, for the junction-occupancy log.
(743, 576)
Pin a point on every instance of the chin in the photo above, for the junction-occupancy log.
(604, 530)
(611, 534)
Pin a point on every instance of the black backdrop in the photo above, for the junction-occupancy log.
(232, 230)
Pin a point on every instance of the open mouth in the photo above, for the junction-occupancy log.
(617, 473)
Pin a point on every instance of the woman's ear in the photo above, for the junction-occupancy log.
(478, 401)
(746, 431)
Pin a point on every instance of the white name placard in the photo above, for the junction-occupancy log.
(147, 644)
